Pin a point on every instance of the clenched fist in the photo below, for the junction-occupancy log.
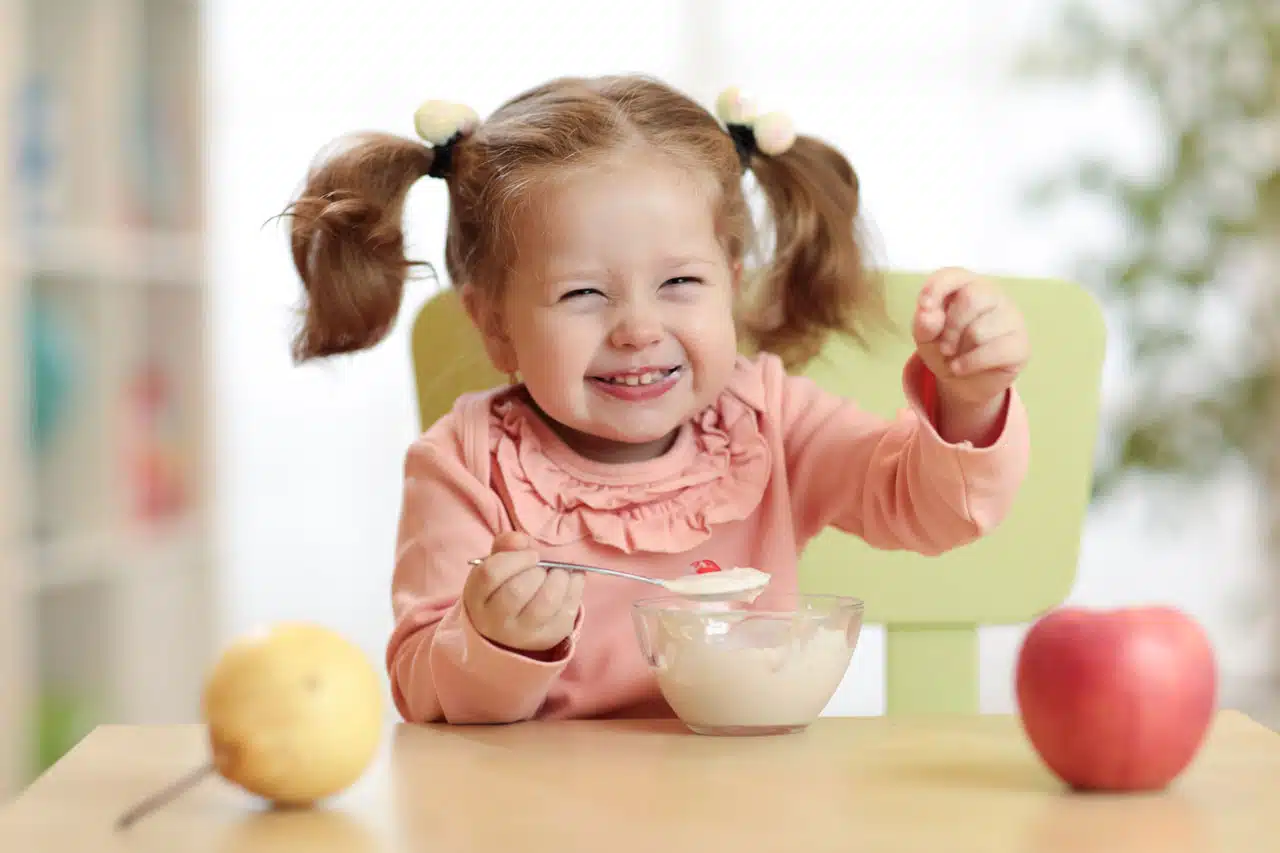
(517, 604)
(970, 335)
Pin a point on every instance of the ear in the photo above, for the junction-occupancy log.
(486, 315)
(736, 272)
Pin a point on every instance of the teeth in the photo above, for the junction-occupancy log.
(641, 379)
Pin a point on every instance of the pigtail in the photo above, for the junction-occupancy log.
(348, 245)
(817, 281)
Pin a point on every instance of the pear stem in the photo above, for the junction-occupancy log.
(164, 795)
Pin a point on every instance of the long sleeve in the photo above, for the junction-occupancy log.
(896, 483)
(441, 668)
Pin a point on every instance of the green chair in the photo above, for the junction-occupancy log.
(930, 607)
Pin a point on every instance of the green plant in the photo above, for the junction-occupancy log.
(1194, 288)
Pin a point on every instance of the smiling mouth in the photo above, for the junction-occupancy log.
(638, 378)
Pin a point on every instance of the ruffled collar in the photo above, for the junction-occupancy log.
(715, 473)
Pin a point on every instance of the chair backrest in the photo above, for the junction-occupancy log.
(448, 357)
(931, 607)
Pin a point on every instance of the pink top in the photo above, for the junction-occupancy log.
(749, 481)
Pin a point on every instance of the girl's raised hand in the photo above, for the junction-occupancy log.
(970, 335)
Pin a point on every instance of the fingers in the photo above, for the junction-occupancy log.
(928, 324)
(536, 609)
(555, 605)
(500, 567)
(933, 305)
(959, 311)
(561, 625)
(550, 615)
(972, 330)
(938, 287)
(513, 601)
(971, 314)
(546, 601)
(573, 596)
(1007, 351)
(514, 595)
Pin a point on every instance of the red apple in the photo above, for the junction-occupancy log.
(1116, 700)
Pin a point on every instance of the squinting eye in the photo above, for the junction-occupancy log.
(582, 291)
(684, 279)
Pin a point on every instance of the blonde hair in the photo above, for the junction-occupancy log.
(348, 245)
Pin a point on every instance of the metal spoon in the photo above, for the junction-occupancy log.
(742, 594)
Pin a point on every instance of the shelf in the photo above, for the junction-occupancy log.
(62, 93)
(74, 650)
(118, 406)
(69, 561)
(167, 154)
(70, 355)
(110, 257)
(109, 106)
(108, 556)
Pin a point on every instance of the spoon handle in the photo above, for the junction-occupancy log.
(575, 567)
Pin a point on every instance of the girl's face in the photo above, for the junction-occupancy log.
(619, 314)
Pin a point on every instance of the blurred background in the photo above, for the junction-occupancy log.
(168, 479)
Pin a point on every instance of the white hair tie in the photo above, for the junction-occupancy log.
(770, 134)
(443, 123)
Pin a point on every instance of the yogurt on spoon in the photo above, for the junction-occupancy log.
(710, 581)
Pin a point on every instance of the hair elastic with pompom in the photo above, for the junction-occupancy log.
(443, 123)
(770, 133)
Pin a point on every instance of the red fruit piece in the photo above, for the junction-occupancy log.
(703, 567)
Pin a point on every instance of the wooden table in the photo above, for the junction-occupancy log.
(847, 784)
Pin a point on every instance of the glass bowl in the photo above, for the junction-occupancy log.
(748, 668)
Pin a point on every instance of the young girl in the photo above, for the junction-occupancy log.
(598, 233)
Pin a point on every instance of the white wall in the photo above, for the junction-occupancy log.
(310, 457)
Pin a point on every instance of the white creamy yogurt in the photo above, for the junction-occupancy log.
(739, 582)
(760, 676)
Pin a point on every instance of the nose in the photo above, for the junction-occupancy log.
(637, 325)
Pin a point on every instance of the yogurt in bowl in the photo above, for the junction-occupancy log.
(738, 668)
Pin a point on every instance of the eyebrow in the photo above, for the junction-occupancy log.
(684, 260)
(557, 276)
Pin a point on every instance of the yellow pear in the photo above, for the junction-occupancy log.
(294, 715)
